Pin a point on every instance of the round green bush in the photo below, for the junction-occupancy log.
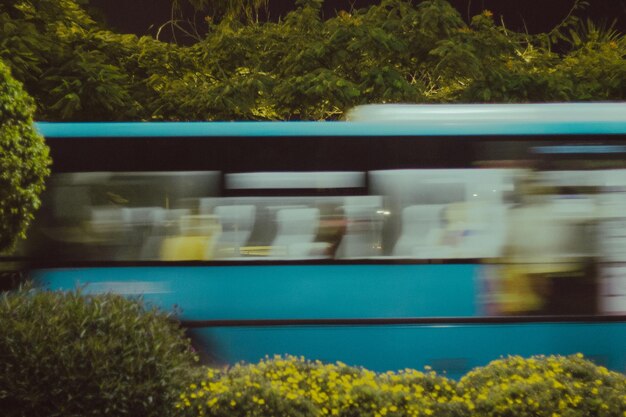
(24, 160)
(67, 354)
(551, 386)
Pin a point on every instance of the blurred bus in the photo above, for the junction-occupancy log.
(441, 235)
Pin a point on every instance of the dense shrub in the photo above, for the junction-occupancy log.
(23, 160)
(553, 386)
(513, 387)
(295, 387)
(68, 354)
(303, 66)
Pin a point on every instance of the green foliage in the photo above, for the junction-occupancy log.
(545, 386)
(245, 10)
(70, 354)
(596, 65)
(300, 67)
(307, 68)
(23, 161)
(292, 386)
(503, 66)
(46, 44)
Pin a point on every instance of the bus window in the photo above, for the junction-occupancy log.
(437, 214)
(548, 262)
(114, 216)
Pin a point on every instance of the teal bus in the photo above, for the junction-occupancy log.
(405, 236)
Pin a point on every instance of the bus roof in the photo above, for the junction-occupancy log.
(384, 120)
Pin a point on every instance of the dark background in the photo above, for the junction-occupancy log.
(143, 17)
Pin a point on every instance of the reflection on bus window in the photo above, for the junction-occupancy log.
(196, 239)
(418, 214)
(279, 227)
(444, 214)
(564, 231)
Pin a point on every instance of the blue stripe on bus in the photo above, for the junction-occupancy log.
(288, 291)
(579, 149)
(322, 129)
(455, 349)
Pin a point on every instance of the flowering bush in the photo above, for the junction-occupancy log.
(292, 386)
(553, 386)
(514, 387)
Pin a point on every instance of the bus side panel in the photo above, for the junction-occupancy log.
(451, 348)
(287, 291)
(292, 292)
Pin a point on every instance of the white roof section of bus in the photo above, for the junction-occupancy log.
(490, 113)
(383, 120)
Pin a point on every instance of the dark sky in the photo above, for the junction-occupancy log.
(145, 16)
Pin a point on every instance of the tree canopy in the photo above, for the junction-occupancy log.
(300, 67)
